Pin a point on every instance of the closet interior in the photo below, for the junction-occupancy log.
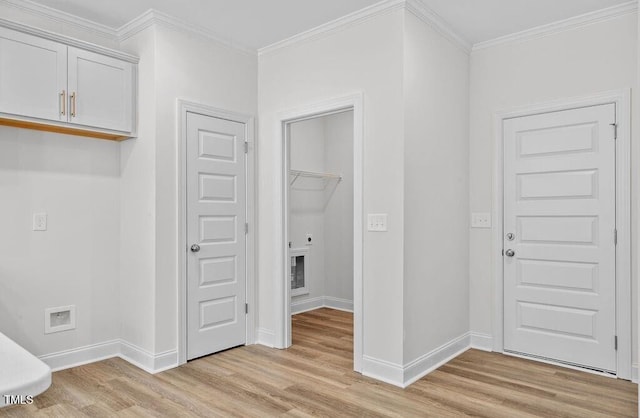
(321, 212)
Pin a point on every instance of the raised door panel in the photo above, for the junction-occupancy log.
(33, 76)
(101, 91)
(216, 217)
(559, 206)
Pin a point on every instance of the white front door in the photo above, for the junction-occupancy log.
(559, 236)
(216, 216)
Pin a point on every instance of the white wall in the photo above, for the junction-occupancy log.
(579, 62)
(137, 208)
(366, 57)
(306, 201)
(338, 212)
(75, 180)
(436, 190)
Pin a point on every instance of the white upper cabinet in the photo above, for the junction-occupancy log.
(50, 82)
(33, 76)
(100, 90)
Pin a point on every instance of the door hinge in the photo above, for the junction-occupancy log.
(615, 130)
(503, 252)
(615, 237)
(246, 308)
(615, 342)
(246, 147)
(246, 228)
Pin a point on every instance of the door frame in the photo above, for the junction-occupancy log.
(184, 107)
(622, 100)
(282, 289)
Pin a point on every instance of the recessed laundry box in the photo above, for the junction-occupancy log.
(22, 375)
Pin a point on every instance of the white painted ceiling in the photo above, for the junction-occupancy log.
(258, 23)
(482, 20)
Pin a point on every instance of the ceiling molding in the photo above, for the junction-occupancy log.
(416, 7)
(59, 17)
(155, 17)
(571, 23)
(89, 46)
(337, 25)
(431, 18)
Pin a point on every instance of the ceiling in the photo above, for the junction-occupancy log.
(482, 20)
(258, 23)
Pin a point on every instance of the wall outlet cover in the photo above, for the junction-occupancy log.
(480, 220)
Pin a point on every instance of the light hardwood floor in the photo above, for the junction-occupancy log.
(314, 378)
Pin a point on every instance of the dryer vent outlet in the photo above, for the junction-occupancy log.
(59, 319)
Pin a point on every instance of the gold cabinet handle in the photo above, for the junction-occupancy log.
(63, 103)
(73, 104)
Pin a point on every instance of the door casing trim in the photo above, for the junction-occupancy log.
(282, 289)
(622, 100)
(184, 107)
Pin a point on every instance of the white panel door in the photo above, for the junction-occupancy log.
(33, 76)
(216, 212)
(559, 264)
(100, 91)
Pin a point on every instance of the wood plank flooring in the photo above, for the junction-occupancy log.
(314, 378)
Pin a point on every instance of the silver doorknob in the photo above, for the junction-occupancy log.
(509, 253)
(195, 248)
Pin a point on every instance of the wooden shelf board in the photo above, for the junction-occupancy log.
(61, 129)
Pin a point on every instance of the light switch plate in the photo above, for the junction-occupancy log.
(39, 221)
(480, 220)
(377, 222)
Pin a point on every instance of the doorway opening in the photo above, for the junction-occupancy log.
(321, 213)
(322, 219)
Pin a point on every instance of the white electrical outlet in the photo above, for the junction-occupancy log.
(39, 221)
(481, 220)
(308, 239)
(377, 222)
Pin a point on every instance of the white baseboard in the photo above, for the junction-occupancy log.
(338, 304)
(305, 305)
(116, 348)
(383, 370)
(310, 304)
(634, 372)
(428, 362)
(481, 341)
(149, 362)
(403, 376)
(81, 355)
(266, 337)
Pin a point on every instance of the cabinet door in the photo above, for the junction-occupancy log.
(33, 76)
(100, 91)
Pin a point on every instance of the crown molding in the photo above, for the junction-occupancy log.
(431, 18)
(59, 17)
(571, 23)
(88, 46)
(337, 25)
(155, 17)
(416, 7)
(116, 35)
